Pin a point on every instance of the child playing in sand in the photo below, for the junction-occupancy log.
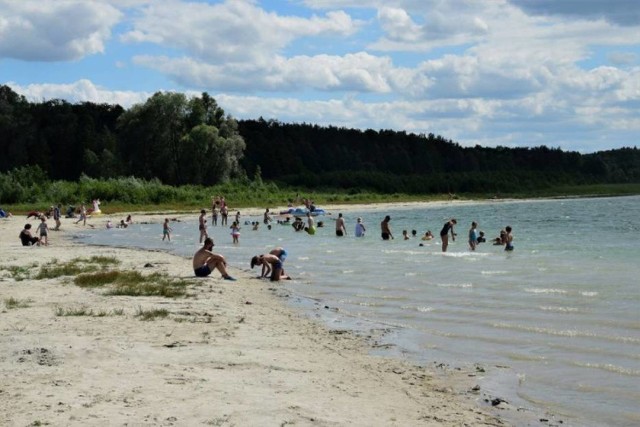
(166, 230)
(43, 230)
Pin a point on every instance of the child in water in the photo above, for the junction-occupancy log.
(473, 236)
(166, 230)
(235, 232)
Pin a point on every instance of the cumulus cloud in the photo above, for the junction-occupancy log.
(50, 30)
(79, 91)
(236, 30)
(352, 72)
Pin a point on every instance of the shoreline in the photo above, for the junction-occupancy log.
(233, 353)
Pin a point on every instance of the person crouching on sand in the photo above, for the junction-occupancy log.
(205, 261)
(273, 263)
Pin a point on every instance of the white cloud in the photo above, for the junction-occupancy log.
(233, 31)
(54, 30)
(79, 91)
(353, 72)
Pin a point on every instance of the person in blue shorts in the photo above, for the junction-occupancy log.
(205, 261)
(273, 263)
(508, 239)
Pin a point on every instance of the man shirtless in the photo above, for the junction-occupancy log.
(205, 261)
(340, 228)
(271, 263)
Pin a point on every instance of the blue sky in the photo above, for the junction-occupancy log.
(496, 72)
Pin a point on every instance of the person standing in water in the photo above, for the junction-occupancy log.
(360, 228)
(508, 239)
(340, 229)
(311, 224)
(473, 236)
(202, 225)
(444, 233)
(385, 230)
(166, 230)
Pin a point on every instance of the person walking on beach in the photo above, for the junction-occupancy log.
(273, 263)
(340, 228)
(385, 230)
(202, 225)
(43, 230)
(360, 228)
(83, 215)
(205, 261)
(444, 233)
(508, 239)
(473, 236)
(166, 230)
(56, 217)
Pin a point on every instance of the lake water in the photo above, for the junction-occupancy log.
(562, 311)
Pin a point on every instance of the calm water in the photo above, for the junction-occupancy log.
(562, 311)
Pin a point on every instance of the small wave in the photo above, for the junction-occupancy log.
(493, 272)
(303, 258)
(610, 368)
(545, 291)
(420, 309)
(574, 333)
(589, 294)
(455, 285)
(347, 271)
(559, 309)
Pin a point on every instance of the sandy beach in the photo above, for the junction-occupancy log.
(227, 354)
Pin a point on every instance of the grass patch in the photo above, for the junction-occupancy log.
(16, 303)
(75, 266)
(83, 311)
(98, 279)
(133, 283)
(152, 314)
(20, 273)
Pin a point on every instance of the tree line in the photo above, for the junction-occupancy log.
(191, 141)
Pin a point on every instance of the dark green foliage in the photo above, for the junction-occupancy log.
(70, 153)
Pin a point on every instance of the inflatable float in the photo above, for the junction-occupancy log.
(302, 212)
(96, 208)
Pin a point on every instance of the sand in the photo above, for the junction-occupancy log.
(229, 354)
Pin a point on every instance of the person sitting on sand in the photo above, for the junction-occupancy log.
(27, 238)
(273, 263)
(5, 214)
(205, 261)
